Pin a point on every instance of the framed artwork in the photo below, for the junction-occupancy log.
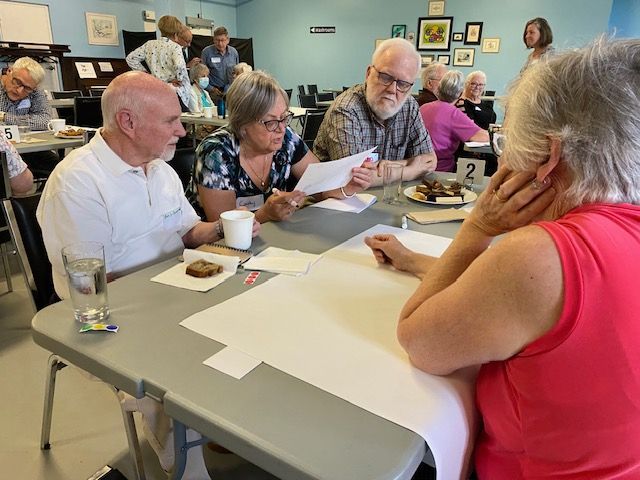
(457, 37)
(463, 57)
(427, 59)
(444, 59)
(434, 33)
(490, 45)
(398, 31)
(472, 33)
(102, 29)
(436, 8)
(411, 36)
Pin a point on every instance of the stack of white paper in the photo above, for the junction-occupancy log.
(278, 260)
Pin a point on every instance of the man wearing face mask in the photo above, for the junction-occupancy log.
(381, 113)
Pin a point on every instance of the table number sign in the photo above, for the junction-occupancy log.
(470, 171)
(11, 132)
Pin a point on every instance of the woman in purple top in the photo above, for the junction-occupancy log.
(447, 125)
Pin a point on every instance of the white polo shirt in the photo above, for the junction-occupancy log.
(93, 195)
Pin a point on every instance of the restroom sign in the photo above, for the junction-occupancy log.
(322, 29)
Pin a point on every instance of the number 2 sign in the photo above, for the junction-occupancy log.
(470, 171)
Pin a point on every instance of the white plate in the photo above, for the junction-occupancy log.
(57, 134)
(468, 197)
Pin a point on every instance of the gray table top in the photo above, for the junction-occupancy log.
(50, 142)
(197, 119)
(284, 425)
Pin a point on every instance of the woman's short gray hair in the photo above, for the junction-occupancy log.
(197, 70)
(472, 75)
(397, 43)
(36, 72)
(250, 98)
(588, 100)
(451, 86)
(241, 68)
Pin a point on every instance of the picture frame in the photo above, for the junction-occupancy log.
(436, 8)
(463, 57)
(434, 33)
(427, 59)
(473, 33)
(490, 45)
(411, 36)
(102, 29)
(458, 36)
(398, 31)
(444, 59)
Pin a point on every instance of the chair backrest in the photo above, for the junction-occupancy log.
(312, 121)
(301, 90)
(182, 162)
(289, 92)
(96, 91)
(312, 89)
(27, 237)
(324, 97)
(5, 184)
(307, 101)
(88, 112)
(66, 94)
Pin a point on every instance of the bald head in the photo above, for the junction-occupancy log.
(135, 92)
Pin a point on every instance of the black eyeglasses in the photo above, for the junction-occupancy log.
(272, 125)
(387, 80)
(18, 83)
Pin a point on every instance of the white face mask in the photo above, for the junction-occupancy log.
(203, 82)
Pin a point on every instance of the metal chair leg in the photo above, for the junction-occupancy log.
(7, 268)
(55, 364)
(132, 439)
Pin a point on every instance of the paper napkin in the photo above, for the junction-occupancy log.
(278, 260)
(438, 216)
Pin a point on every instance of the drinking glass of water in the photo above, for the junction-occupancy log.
(87, 278)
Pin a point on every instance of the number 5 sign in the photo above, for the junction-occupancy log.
(470, 171)
(11, 132)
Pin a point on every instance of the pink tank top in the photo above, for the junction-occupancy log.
(568, 405)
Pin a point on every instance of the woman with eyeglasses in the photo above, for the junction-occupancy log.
(447, 125)
(249, 162)
(471, 102)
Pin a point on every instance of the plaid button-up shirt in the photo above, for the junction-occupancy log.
(35, 106)
(350, 127)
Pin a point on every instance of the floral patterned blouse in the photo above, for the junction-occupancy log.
(218, 165)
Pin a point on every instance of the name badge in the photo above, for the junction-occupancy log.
(12, 133)
(216, 60)
(252, 203)
(171, 220)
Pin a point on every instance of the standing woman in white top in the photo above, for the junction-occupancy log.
(537, 35)
(164, 59)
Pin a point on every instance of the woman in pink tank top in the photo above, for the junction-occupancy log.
(549, 313)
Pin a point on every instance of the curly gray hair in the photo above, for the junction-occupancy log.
(593, 115)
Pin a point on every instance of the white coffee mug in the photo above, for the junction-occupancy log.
(56, 124)
(238, 228)
(208, 112)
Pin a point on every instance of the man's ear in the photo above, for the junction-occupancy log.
(126, 121)
(367, 73)
(555, 151)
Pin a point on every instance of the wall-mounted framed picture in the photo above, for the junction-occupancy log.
(458, 36)
(436, 8)
(463, 57)
(427, 59)
(411, 36)
(490, 45)
(398, 31)
(102, 29)
(434, 33)
(444, 59)
(473, 33)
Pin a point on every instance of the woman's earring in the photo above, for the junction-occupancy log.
(537, 185)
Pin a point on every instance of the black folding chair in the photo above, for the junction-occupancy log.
(289, 92)
(301, 90)
(66, 112)
(88, 112)
(307, 101)
(312, 121)
(324, 97)
(312, 89)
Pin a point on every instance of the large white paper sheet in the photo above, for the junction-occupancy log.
(355, 204)
(338, 332)
(320, 177)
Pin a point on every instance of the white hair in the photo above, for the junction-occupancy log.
(399, 44)
(34, 68)
(430, 71)
(451, 86)
(472, 75)
(593, 115)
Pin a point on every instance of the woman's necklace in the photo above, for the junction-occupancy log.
(265, 174)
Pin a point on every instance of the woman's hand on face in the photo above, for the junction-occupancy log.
(362, 177)
(388, 249)
(281, 205)
(511, 200)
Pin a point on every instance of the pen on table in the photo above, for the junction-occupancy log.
(404, 224)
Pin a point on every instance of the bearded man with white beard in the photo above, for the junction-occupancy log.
(381, 112)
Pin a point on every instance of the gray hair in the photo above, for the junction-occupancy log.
(250, 98)
(475, 73)
(241, 68)
(594, 116)
(197, 70)
(430, 72)
(399, 44)
(451, 86)
(29, 64)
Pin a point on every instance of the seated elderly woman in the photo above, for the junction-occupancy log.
(199, 76)
(447, 125)
(249, 162)
(550, 312)
(239, 69)
(471, 102)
